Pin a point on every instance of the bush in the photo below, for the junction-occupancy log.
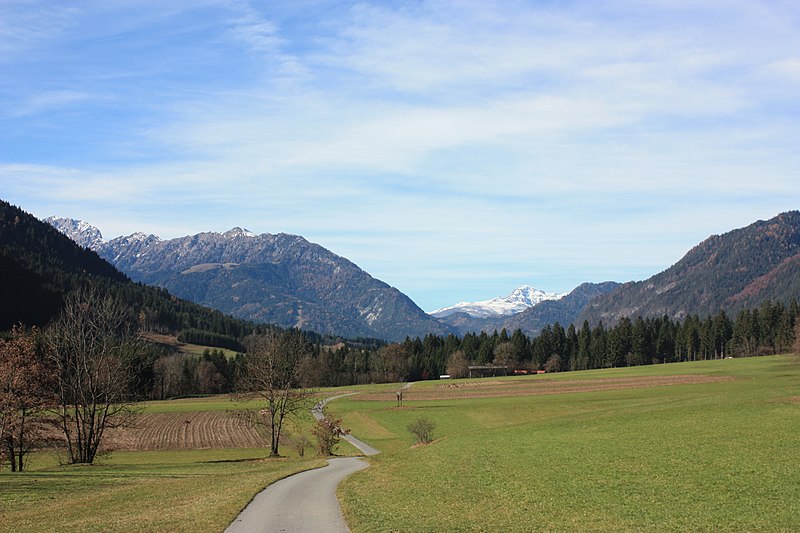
(328, 432)
(300, 443)
(422, 429)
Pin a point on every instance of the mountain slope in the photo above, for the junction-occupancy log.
(280, 279)
(519, 300)
(738, 269)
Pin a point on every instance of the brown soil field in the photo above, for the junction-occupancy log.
(537, 386)
(184, 431)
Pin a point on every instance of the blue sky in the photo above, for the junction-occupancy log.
(455, 150)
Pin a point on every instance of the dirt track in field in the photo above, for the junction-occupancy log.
(184, 431)
(537, 386)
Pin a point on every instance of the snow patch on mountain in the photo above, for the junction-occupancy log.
(519, 300)
(83, 233)
(238, 232)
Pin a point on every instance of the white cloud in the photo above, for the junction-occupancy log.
(438, 143)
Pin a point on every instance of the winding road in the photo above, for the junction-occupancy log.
(305, 502)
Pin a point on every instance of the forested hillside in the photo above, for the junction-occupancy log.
(40, 266)
(737, 270)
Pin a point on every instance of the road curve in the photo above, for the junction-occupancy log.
(305, 502)
(302, 503)
(362, 446)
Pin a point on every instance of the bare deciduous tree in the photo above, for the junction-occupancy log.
(167, 376)
(422, 429)
(457, 365)
(272, 369)
(505, 354)
(24, 395)
(396, 362)
(91, 346)
(300, 443)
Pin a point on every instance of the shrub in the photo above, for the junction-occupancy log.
(300, 443)
(422, 429)
(328, 432)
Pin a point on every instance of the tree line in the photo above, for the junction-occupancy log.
(768, 329)
(70, 383)
(83, 373)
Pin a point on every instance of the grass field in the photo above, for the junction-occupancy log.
(140, 491)
(183, 347)
(698, 455)
(685, 447)
(166, 490)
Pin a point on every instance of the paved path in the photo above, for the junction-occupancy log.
(305, 502)
(365, 448)
(302, 503)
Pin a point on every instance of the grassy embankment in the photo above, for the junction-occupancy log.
(718, 455)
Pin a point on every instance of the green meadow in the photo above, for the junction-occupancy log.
(181, 491)
(718, 456)
(153, 491)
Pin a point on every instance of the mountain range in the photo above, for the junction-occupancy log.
(286, 280)
(277, 279)
(39, 266)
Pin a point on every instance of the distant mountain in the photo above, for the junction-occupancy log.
(278, 279)
(564, 311)
(736, 270)
(532, 320)
(519, 300)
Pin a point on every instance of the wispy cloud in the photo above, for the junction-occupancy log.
(446, 147)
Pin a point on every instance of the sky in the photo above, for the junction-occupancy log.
(455, 150)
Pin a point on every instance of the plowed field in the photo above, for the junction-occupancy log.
(537, 386)
(183, 431)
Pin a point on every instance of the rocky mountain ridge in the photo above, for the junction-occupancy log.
(280, 279)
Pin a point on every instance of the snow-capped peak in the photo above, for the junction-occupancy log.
(520, 299)
(238, 232)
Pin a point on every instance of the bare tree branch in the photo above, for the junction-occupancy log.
(272, 370)
(91, 347)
